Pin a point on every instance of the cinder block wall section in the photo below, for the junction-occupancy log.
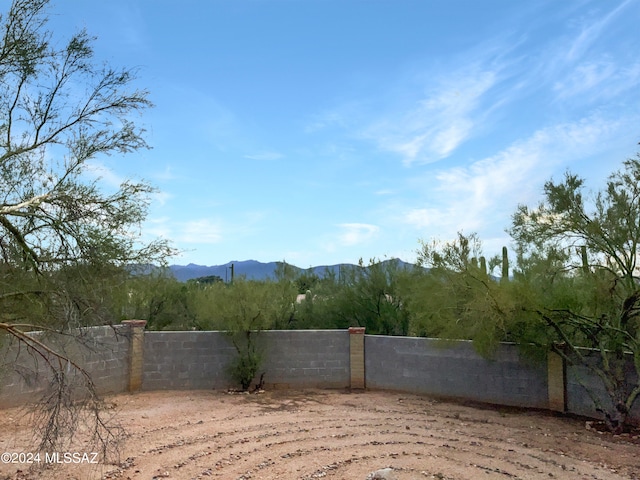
(306, 358)
(128, 358)
(102, 351)
(291, 359)
(186, 360)
(454, 369)
(580, 403)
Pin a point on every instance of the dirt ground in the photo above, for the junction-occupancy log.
(335, 434)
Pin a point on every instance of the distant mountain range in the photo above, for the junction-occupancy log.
(249, 269)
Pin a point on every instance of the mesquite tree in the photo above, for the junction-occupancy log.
(581, 252)
(64, 238)
(575, 288)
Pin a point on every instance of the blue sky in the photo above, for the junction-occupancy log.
(323, 131)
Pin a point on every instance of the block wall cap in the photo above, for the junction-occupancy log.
(134, 323)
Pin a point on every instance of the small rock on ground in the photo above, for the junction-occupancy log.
(382, 474)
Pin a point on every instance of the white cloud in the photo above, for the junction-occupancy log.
(423, 218)
(438, 123)
(266, 156)
(206, 230)
(160, 198)
(343, 117)
(356, 233)
(166, 175)
(325, 120)
(590, 62)
(584, 78)
(99, 171)
(483, 194)
(598, 80)
(592, 32)
(158, 227)
(199, 231)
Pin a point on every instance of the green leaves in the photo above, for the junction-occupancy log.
(241, 306)
(578, 279)
(457, 298)
(59, 109)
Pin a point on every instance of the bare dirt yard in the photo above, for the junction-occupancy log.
(335, 434)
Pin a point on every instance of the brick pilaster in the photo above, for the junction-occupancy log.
(136, 352)
(356, 356)
(556, 382)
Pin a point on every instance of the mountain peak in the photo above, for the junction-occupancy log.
(249, 269)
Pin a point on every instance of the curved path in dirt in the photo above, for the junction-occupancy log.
(335, 434)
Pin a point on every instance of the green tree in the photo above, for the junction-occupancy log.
(370, 296)
(159, 299)
(306, 281)
(285, 271)
(575, 288)
(452, 297)
(206, 280)
(64, 240)
(283, 295)
(579, 253)
(318, 308)
(243, 309)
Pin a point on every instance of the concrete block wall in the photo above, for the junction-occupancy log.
(291, 359)
(186, 360)
(101, 351)
(454, 369)
(127, 358)
(579, 401)
(306, 358)
(106, 358)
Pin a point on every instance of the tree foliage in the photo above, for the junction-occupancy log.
(582, 251)
(243, 309)
(452, 296)
(64, 238)
(575, 288)
(369, 296)
(159, 299)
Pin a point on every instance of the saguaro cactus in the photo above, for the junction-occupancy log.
(585, 260)
(483, 266)
(505, 265)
